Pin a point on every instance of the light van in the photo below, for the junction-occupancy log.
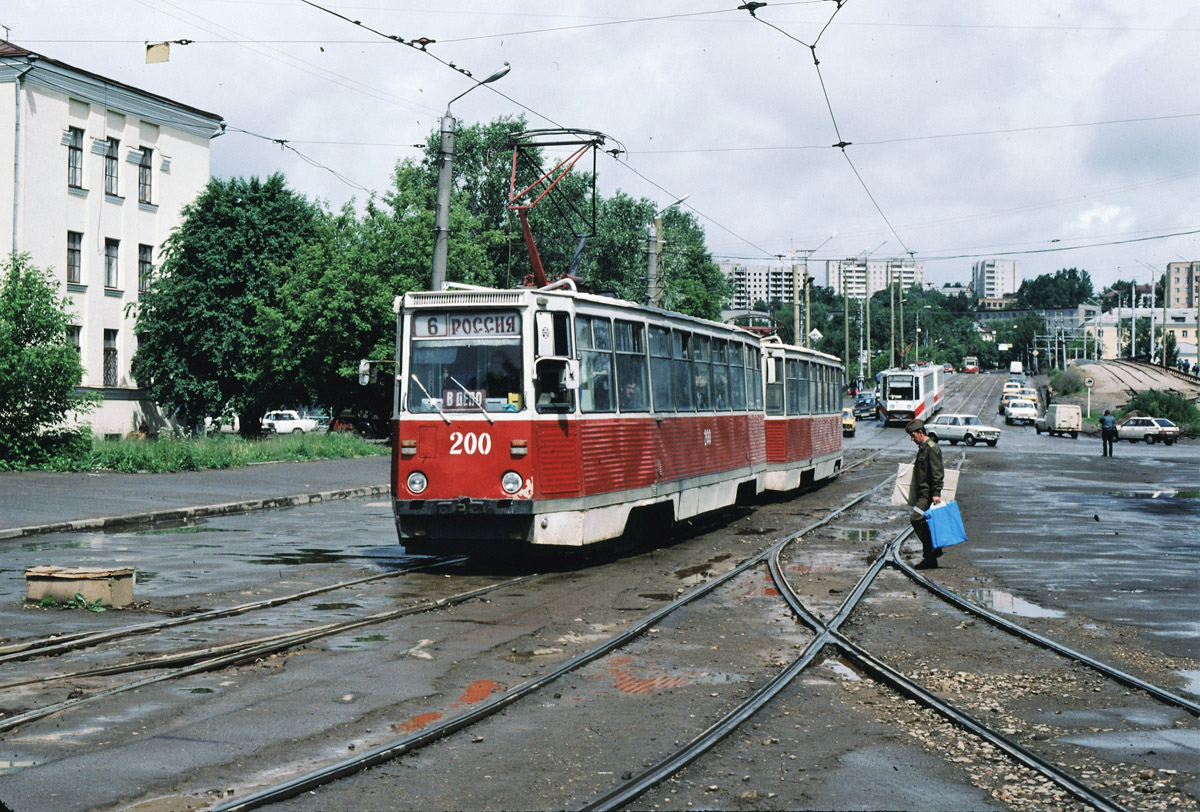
(1060, 418)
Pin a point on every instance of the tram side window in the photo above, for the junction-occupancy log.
(660, 369)
(593, 339)
(630, 345)
(702, 372)
(681, 371)
(754, 376)
(775, 390)
(737, 376)
(792, 380)
(720, 374)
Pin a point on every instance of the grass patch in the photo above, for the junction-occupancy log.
(201, 453)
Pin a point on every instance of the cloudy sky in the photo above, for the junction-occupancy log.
(991, 128)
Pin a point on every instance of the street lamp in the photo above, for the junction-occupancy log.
(441, 218)
(653, 290)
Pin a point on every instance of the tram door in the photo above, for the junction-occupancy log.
(556, 385)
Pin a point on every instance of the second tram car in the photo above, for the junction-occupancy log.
(803, 420)
(908, 394)
(555, 417)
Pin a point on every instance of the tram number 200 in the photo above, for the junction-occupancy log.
(470, 443)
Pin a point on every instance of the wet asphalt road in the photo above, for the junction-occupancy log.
(1056, 528)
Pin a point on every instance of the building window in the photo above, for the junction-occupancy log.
(110, 263)
(144, 175)
(73, 336)
(75, 157)
(74, 257)
(145, 267)
(110, 357)
(110, 167)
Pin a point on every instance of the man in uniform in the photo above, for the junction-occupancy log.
(928, 477)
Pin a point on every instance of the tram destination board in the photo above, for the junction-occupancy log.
(456, 325)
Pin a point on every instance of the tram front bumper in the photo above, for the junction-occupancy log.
(464, 518)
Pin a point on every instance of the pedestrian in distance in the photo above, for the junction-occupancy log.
(929, 475)
(1108, 432)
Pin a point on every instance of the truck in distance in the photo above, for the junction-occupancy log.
(1060, 419)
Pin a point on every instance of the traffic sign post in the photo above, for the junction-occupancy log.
(1088, 382)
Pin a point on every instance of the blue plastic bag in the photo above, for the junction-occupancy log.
(945, 525)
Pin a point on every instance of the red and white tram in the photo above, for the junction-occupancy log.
(803, 424)
(909, 394)
(555, 417)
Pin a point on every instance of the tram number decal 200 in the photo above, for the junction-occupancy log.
(470, 443)
(708, 436)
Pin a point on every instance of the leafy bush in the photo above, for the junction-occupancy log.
(1171, 405)
(1066, 382)
(56, 450)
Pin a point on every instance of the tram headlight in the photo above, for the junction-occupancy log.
(417, 483)
(511, 482)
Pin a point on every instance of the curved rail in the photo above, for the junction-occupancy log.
(1045, 642)
(390, 750)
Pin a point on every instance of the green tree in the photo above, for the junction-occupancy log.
(39, 369)
(1068, 287)
(200, 342)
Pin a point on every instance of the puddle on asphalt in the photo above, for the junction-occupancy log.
(859, 534)
(756, 531)
(372, 638)
(527, 656)
(1158, 494)
(184, 529)
(657, 596)
(1193, 681)
(200, 691)
(1010, 604)
(326, 607)
(303, 556)
(842, 670)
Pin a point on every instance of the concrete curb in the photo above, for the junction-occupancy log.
(183, 514)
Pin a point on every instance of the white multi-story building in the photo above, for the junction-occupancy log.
(1183, 284)
(98, 175)
(995, 278)
(863, 277)
(761, 283)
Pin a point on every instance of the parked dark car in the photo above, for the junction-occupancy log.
(865, 406)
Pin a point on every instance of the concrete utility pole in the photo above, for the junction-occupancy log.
(441, 217)
(654, 261)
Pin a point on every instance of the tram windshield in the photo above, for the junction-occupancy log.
(460, 368)
(901, 387)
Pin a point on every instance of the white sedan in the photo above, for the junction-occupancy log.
(967, 428)
(1020, 411)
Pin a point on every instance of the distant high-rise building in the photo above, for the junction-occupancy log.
(995, 278)
(760, 283)
(863, 276)
(1183, 282)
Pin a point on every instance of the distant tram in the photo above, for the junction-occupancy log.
(970, 364)
(908, 394)
(550, 416)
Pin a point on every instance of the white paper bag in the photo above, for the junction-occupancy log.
(904, 484)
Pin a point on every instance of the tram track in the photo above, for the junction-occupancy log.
(830, 636)
(431, 734)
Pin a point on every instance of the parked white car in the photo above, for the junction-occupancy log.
(1020, 410)
(967, 428)
(286, 421)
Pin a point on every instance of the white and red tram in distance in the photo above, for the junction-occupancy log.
(548, 416)
(803, 425)
(915, 393)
